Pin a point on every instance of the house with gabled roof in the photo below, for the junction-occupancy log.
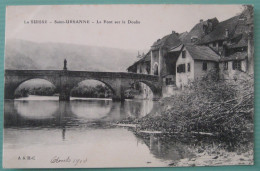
(175, 62)
(226, 47)
(194, 62)
(231, 40)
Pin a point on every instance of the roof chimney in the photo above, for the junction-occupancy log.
(201, 20)
(173, 32)
(227, 33)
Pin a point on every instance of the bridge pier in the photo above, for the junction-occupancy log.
(8, 94)
(64, 87)
(119, 95)
(64, 95)
(9, 91)
(118, 99)
(157, 94)
(119, 90)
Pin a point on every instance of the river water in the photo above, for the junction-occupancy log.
(43, 132)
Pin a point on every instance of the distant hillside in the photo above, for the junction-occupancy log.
(21, 54)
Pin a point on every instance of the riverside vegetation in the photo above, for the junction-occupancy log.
(209, 106)
(213, 116)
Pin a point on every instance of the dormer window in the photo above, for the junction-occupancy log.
(193, 39)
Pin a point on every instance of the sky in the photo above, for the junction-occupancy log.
(155, 21)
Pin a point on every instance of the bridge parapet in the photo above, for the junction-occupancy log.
(82, 74)
(31, 72)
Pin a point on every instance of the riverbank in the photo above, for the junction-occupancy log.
(200, 149)
(219, 158)
(209, 106)
(216, 109)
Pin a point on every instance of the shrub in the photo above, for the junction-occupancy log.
(209, 105)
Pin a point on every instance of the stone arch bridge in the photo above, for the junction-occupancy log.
(65, 80)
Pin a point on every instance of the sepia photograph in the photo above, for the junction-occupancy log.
(119, 86)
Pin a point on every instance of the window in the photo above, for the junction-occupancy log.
(214, 44)
(204, 66)
(226, 66)
(236, 65)
(181, 68)
(217, 66)
(220, 43)
(184, 54)
(169, 81)
(188, 67)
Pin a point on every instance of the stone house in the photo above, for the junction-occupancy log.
(232, 40)
(142, 65)
(161, 60)
(225, 46)
(194, 62)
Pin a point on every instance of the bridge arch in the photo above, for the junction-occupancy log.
(12, 86)
(109, 86)
(154, 89)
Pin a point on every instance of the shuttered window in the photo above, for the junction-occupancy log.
(181, 68)
(204, 66)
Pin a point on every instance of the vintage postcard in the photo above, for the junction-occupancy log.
(101, 86)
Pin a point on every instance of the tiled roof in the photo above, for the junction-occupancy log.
(169, 41)
(183, 35)
(144, 58)
(242, 41)
(236, 26)
(176, 49)
(198, 30)
(235, 56)
(202, 53)
(219, 33)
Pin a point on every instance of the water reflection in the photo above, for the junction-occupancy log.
(93, 110)
(34, 110)
(171, 150)
(79, 128)
(43, 113)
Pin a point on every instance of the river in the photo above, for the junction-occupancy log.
(40, 131)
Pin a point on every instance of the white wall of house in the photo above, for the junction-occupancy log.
(198, 68)
(229, 73)
(154, 60)
(244, 65)
(142, 68)
(184, 77)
